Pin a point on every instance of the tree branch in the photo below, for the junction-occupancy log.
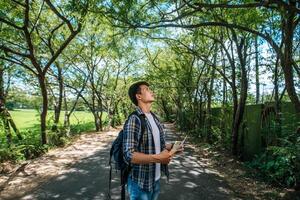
(14, 44)
(224, 5)
(223, 24)
(18, 62)
(61, 48)
(37, 19)
(19, 3)
(10, 23)
(28, 37)
(60, 15)
(9, 50)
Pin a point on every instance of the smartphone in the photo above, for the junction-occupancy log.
(182, 142)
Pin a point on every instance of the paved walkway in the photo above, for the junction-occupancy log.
(87, 178)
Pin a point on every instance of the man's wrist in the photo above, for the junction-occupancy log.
(154, 158)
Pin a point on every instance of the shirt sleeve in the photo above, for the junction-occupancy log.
(130, 137)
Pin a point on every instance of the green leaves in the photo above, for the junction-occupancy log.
(278, 165)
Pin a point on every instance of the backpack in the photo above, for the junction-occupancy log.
(116, 152)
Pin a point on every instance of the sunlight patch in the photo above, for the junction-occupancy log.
(193, 172)
(190, 185)
(224, 190)
(62, 177)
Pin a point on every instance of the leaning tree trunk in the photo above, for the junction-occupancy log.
(5, 115)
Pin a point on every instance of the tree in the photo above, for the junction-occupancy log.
(193, 15)
(30, 23)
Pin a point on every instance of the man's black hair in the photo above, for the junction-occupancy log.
(135, 89)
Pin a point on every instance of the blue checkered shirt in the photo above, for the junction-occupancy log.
(142, 174)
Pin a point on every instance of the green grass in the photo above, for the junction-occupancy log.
(26, 118)
(28, 123)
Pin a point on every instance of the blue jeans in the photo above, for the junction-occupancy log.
(136, 193)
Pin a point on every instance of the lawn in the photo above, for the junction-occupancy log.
(27, 118)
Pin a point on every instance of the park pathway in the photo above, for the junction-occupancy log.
(80, 172)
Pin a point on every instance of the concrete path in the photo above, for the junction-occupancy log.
(87, 179)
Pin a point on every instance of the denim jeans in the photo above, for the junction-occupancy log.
(136, 193)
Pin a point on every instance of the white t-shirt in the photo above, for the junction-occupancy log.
(156, 137)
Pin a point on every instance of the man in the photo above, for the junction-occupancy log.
(153, 155)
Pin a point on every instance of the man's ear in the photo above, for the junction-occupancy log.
(138, 96)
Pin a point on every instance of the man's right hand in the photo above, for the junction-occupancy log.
(164, 157)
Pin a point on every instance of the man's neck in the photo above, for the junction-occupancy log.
(145, 107)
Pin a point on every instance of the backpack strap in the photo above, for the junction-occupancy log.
(143, 127)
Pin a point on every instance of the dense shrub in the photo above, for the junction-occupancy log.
(279, 165)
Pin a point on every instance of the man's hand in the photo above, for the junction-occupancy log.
(169, 146)
(179, 149)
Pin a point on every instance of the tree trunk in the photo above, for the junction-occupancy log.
(67, 115)
(58, 105)
(224, 103)
(277, 99)
(165, 109)
(239, 115)
(209, 99)
(44, 109)
(287, 56)
(101, 114)
(97, 121)
(235, 122)
(242, 54)
(5, 115)
(257, 84)
(13, 125)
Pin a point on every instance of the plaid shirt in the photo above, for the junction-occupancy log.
(142, 174)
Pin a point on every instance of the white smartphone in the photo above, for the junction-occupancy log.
(182, 142)
(178, 144)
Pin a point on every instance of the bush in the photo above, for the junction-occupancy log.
(278, 165)
(28, 151)
(57, 139)
(7, 154)
(78, 128)
(30, 146)
(22, 152)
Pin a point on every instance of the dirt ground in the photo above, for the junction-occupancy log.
(18, 180)
(203, 172)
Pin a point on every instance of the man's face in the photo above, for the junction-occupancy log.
(146, 95)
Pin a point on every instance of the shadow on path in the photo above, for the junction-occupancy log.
(88, 179)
